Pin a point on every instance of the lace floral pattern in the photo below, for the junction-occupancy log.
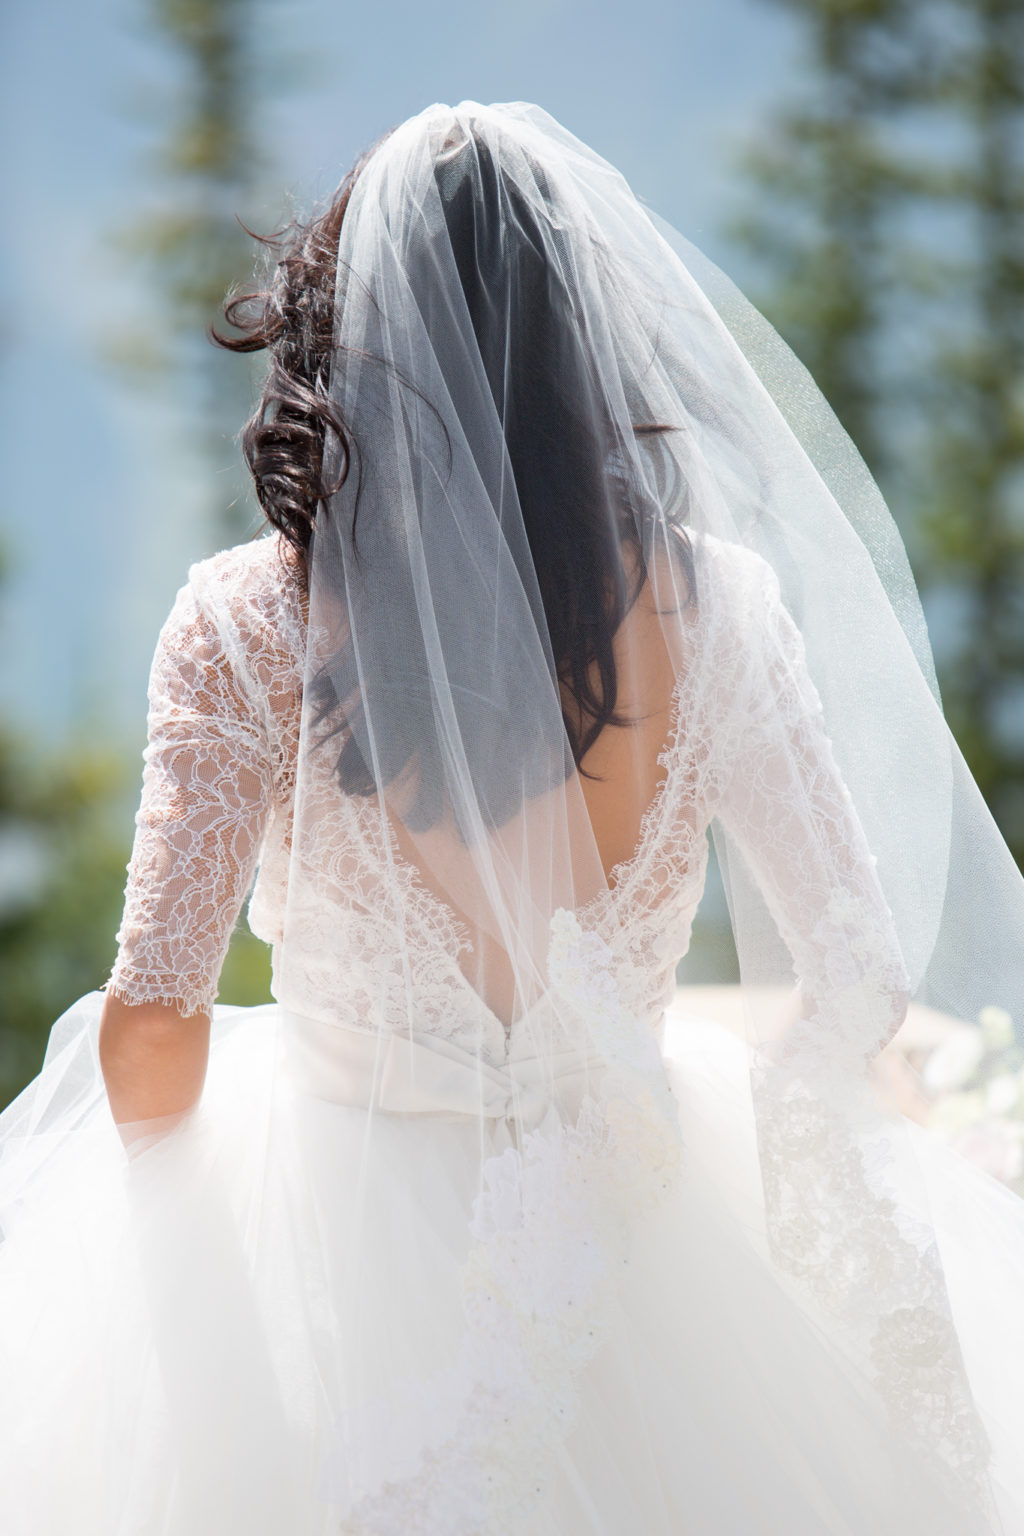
(208, 784)
(829, 1219)
(225, 694)
(832, 1225)
(748, 752)
(551, 1228)
(218, 797)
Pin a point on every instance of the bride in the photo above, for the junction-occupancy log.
(569, 569)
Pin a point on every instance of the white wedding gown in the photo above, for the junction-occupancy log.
(187, 1338)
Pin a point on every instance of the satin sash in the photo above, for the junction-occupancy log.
(430, 1075)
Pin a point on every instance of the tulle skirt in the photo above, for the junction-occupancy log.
(188, 1337)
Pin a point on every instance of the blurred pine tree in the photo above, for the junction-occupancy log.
(63, 851)
(970, 496)
(824, 182)
(209, 170)
(64, 845)
(888, 223)
(204, 179)
(65, 817)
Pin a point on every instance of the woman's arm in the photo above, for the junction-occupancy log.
(153, 1060)
(786, 809)
(205, 800)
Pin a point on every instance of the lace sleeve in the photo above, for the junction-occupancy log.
(206, 794)
(787, 808)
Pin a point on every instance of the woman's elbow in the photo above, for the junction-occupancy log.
(153, 1057)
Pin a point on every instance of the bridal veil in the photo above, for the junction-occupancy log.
(862, 869)
(580, 493)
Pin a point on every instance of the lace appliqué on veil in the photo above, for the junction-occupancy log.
(748, 745)
(831, 1223)
(552, 1232)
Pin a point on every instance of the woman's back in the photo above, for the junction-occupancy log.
(243, 614)
(449, 1240)
(363, 892)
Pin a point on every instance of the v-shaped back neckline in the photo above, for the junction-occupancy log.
(598, 912)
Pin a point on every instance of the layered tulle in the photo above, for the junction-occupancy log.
(221, 1330)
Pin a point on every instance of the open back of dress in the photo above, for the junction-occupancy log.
(440, 1251)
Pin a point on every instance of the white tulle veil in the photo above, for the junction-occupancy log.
(702, 463)
(463, 1237)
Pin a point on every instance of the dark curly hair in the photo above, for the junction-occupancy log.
(292, 320)
(562, 456)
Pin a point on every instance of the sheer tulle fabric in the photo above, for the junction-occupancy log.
(459, 1239)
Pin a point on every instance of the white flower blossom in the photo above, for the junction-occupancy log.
(996, 1028)
(955, 1060)
(1002, 1094)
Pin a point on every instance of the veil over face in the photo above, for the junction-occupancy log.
(591, 498)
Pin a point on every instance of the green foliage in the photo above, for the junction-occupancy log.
(971, 494)
(245, 979)
(65, 837)
(889, 203)
(63, 856)
(190, 240)
(825, 179)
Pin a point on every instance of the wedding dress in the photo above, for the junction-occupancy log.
(473, 1230)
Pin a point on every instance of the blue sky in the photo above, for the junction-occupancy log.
(98, 513)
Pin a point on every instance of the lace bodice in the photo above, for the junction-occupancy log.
(748, 747)
(370, 947)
